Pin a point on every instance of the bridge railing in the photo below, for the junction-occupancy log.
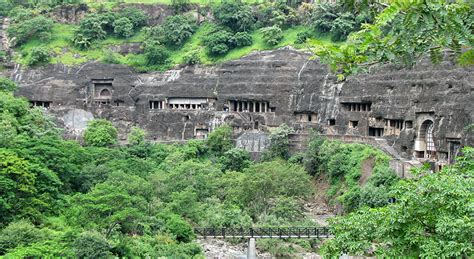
(266, 232)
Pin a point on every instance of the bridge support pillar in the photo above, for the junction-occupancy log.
(251, 250)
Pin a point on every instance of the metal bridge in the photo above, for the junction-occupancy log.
(269, 232)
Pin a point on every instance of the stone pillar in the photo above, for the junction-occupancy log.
(251, 250)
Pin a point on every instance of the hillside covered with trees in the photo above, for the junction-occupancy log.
(99, 197)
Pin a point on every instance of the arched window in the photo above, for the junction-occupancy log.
(105, 93)
(426, 134)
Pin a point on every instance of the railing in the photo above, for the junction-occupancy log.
(271, 232)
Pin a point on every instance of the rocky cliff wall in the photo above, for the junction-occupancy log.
(421, 112)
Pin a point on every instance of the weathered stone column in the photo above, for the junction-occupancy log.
(251, 250)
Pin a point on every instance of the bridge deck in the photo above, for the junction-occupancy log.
(284, 232)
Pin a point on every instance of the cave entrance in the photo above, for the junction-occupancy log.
(424, 144)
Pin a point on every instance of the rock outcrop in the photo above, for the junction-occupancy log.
(420, 112)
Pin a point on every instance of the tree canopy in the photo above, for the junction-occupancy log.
(403, 32)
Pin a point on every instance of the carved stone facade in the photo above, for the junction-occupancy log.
(421, 112)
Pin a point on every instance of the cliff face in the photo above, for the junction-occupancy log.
(421, 112)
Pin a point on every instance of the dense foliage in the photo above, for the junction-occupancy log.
(403, 32)
(100, 133)
(39, 55)
(27, 26)
(59, 198)
(96, 26)
(431, 217)
(62, 199)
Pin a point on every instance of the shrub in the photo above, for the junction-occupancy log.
(4, 8)
(7, 85)
(218, 42)
(180, 5)
(39, 55)
(237, 16)
(277, 14)
(241, 39)
(108, 19)
(155, 53)
(110, 57)
(38, 27)
(91, 245)
(136, 16)
(100, 133)
(192, 58)
(323, 17)
(301, 37)
(89, 30)
(20, 14)
(123, 27)
(272, 35)
(177, 29)
(342, 26)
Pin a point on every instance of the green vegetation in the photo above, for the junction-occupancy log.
(342, 165)
(431, 217)
(397, 36)
(234, 34)
(100, 133)
(59, 198)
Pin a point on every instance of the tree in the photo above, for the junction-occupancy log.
(18, 233)
(155, 53)
(177, 29)
(396, 36)
(26, 189)
(182, 231)
(272, 35)
(278, 143)
(91, 245)
(117, 205)
(7, 85)
(220, 140)
(4, 8)
(180, 5)
(38, 27)
(136, 16)
(218, 41)
(264, 182)
(431, 217)
(342, 26)
(90, 29)
(123, 27)
(136, 136)
(237, 16)
(100, 133)
(235, 159)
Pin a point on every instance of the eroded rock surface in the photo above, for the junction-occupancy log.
(420, 112)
